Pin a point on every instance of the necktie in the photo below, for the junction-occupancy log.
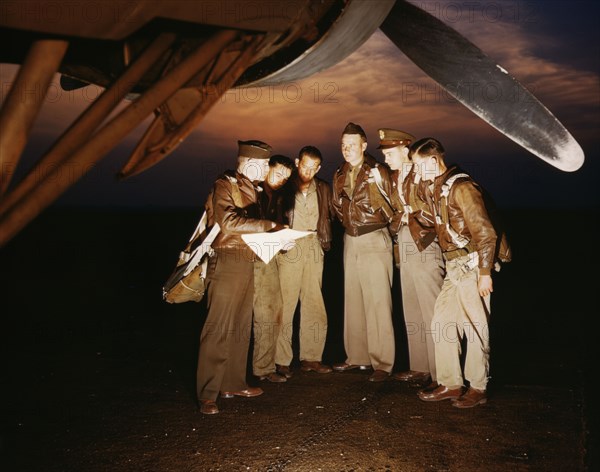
(353, 174)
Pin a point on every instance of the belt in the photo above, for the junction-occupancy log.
(366, 229)
(462, 251)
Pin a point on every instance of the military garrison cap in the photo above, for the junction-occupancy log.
(352, 128)
(389, 138)
(254, 149)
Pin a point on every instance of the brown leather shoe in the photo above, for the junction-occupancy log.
(285, 370)
(343, 367)
(247, 393)
(471, 398)
(314, 366)
(440, 393)
(412, 376)
(208, 407)
(379, 376)
(430, 388)
(273, 377)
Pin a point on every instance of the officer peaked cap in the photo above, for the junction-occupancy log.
(389, 138)
(254, 149)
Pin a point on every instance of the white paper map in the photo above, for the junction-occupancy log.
(266, 245)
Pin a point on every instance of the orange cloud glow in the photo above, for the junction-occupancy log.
(377, 86)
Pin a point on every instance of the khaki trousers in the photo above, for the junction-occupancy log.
(301, 276)
(461, 313)
(421, 278)
(368, 273)
(225, 337)
(268, 309)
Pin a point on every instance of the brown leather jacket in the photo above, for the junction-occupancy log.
(467, 216)
(234, 220)
(356, 211)
(325, 212)
(272, 208)
(421, 222)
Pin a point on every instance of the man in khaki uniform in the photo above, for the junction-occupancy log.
(301, 268)
(468, 241)
(419, 258)
(225, 337)
(268, 305)
(368, 260)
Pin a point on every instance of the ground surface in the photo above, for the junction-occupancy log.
(99, 372)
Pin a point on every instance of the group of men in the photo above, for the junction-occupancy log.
(434, 217)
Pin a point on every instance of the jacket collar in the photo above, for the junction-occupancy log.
(440, 179)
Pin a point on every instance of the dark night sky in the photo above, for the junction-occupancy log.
(551, 47)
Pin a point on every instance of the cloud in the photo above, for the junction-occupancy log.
(504, 31)
(377, 86)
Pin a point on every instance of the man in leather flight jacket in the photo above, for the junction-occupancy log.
(268, 302)
(468, 241)
(368, 260)
(225, 337)
(301, 268)
(419, 258)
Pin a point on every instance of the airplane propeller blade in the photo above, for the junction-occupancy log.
(468, 75)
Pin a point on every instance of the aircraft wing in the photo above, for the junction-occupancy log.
(177, 58)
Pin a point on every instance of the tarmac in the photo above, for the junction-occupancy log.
(99, 372)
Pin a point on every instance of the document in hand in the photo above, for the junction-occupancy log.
(266, 245)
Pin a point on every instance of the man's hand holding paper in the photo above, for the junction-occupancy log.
(266, 245)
